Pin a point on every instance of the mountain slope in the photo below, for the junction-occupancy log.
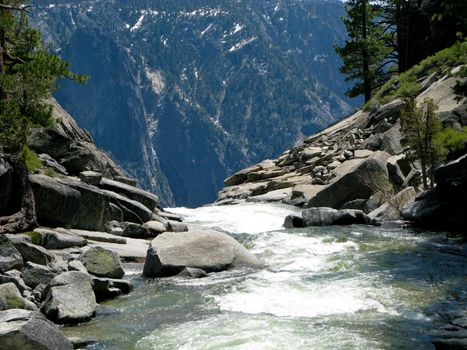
(185, 93)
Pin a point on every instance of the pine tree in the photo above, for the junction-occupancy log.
(28, 76)
(364, 54)
(419, 126)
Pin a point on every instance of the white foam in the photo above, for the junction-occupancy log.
(241, 218)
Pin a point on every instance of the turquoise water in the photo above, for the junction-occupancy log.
(354, 287)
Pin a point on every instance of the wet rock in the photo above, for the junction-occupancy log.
(90, 177)
(106, 288)
(56, 204)
(34, 253)
(148, 199)
(70, 298)
(35, 274)
(21, 329)
(190, 272)
(293, 220)
(170, 253)
(171, 216)
(102, 262)
(176, 226)
(329, 217)
(10, 258)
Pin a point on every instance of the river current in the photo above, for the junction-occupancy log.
(349, 287)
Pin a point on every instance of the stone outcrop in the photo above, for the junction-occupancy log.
(444, 206)
(170, 253)
(359, 163)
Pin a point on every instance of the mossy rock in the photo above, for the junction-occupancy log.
(102, 262)
(10, 297)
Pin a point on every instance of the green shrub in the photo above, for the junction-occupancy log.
(450, 141)
(408, 84)
(31, 159)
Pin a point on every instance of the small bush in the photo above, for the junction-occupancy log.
(450, 141)
(31, 159)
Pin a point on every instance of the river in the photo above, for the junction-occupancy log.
(350, 287)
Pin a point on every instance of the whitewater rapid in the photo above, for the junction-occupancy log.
(355, 287)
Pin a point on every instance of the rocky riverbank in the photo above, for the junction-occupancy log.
(83, 219)
(358, 167)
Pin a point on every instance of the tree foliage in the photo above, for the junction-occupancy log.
(364, 51)
(28, 76)
(419, 126)
(390, 36)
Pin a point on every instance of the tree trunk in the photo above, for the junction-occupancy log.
(366, 63)
(25, 219)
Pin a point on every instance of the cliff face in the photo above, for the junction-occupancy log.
(197, 90)
(359, 164)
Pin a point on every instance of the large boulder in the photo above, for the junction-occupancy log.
(10, 258)
(56, 203)
(94, 206)
(146, 198)
(70, 298)
(329, 217)
(102, 262)
(170, 253)
(21, 329)
(360, 182)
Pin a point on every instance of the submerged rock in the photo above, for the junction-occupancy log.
(170, 253)
(21, 329)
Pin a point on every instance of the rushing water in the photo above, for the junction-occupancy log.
(354, 287)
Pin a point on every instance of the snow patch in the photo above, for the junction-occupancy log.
(242, 44)
(138, 23)
(156, 79)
